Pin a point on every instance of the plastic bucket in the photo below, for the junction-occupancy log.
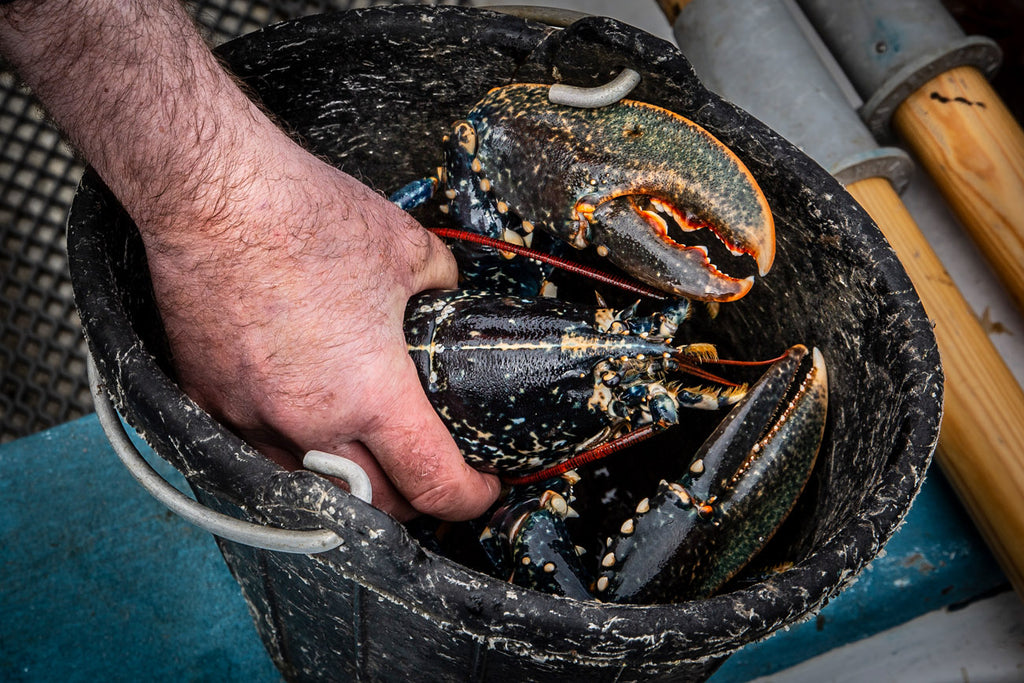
(381, 607)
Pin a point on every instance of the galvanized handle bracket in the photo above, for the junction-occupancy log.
(572, 95)
(306, 542)
(336, 466)
(593, 98)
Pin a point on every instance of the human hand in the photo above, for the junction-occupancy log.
(287, 325)
(282, 282)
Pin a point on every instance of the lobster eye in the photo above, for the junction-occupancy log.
(611, 378)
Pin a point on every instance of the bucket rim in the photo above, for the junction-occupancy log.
(133, 373)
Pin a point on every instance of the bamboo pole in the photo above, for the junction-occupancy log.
(981, 443)
(971, 145)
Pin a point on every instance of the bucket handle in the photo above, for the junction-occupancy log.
(573, 95)
(306, 542)
(596, 97)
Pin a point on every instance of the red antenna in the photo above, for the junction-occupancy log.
(623, 283)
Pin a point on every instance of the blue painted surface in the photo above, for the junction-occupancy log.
(101, 583)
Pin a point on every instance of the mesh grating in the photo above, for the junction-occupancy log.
(42, 356)
(42, 353)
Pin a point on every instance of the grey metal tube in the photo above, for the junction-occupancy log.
(890, 48)
(757, 56)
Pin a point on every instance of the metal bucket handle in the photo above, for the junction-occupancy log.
(305, 542)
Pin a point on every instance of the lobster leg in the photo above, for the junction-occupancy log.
(694, 534)
(415, 194)
(527, 539)
(662, 325)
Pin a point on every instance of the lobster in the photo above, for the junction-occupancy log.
(533, 387)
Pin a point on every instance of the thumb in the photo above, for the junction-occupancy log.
(420, 458)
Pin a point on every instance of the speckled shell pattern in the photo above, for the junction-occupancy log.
(511, 377)
(542, 159)
(373, 91)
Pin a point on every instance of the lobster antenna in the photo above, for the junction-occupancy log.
(745, 363)
(689, 368)
(622, 283)
(585, 458)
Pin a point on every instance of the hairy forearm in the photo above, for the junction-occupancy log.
(141, 97)
(282, 282)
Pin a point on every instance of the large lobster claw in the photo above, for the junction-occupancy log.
(649, 188)
(639, 241)
(693, 535)
(655, 193)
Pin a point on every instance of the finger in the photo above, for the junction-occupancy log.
(420, 458)
(431, 263)
(439, 270)
(385, 496)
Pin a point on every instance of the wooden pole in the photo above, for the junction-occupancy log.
(672, 8)
(971, 145)
(981, 443)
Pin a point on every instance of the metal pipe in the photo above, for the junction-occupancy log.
(890, 48)
(783, 80)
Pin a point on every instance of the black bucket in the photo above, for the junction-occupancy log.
(381, 607)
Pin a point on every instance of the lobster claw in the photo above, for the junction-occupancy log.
(682, 217)
(528, 540)
(693, 535)
(654, 192)
(635, 240)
